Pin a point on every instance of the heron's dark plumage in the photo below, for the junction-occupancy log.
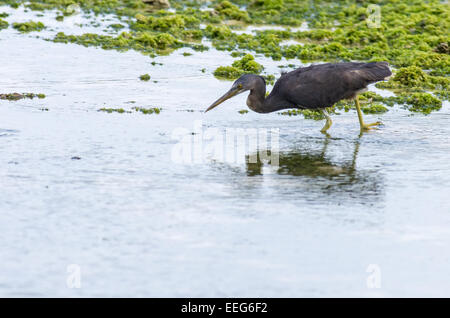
(314, 87)
(322, 85)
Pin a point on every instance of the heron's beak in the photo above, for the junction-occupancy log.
(232, 92)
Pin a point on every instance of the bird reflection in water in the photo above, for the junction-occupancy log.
(319, 174)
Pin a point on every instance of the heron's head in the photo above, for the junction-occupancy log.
(244, 83)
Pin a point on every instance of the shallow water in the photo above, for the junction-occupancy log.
(251, 29)
(139, 224)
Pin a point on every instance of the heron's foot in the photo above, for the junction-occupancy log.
(324, 130)
(365, 127)
(327, 126)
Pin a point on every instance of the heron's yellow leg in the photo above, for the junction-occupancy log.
(361, 121)
(328, 123)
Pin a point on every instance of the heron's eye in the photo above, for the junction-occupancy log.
(240, 86)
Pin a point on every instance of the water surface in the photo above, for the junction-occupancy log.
(138, 224)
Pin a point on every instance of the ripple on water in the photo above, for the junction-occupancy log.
(7, 132)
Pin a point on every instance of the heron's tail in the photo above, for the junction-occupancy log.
(376, 71)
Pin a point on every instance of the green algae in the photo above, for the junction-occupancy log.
(227, 72)
(243, 111)
(143, 41)
(220, 32)
(270, 79)
(29, 26)
(267, 4)
(144, 77)
(306, 113)
(423, 102)
(374, 108)
(38, 6)
(171, 22)
(116, 26)
(148, 111)
(246, 64)
(413, 79)
(120, 7)
(372, 103)
(114, 110)
(227, 10)
(411, 76)
(412, 36)
(237, 54)
(3, 24)
(18, 96)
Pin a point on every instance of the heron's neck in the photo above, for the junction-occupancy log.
(255, 100)
(258, 102)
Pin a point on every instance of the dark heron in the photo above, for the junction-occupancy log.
(313, 87)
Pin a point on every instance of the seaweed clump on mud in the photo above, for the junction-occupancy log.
(114, 110)
(3, 24)
(18, 96)
(410, 76)
(315, 114)
(372, 103)
(413, 79)
(144, 77)
(227, 10)
(175, 23)
(146, 111)
(374, 108)
(239, 67)
(116, 26)
(29, 26)
(144, 42)
(422, 102)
